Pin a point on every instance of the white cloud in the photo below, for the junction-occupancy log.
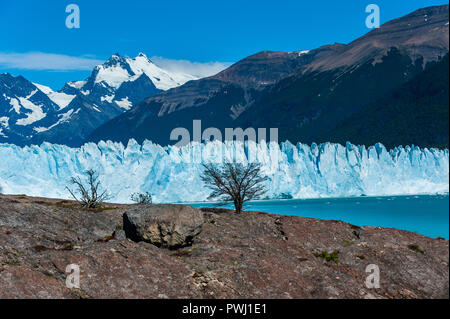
(58, 62)
(197, 69)
(46, 61)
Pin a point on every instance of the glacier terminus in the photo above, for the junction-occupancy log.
(172, 174)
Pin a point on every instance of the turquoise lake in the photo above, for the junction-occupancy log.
(426, 215)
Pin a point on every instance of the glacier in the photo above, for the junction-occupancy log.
(172, 174)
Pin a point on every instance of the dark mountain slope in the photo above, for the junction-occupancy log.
(423, 32)
(215, 112)
(416, 113)
(305, 108)
(24, 109)
(84, 115)
(305, 94)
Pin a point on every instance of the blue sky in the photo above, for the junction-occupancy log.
(198, 31)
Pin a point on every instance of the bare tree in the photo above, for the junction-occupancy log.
(90, 195)
(234, 182)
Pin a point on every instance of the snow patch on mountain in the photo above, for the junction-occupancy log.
(36, 111)
(114, 76)
(63, 117)
(124, 103)
(4, 121)
(162, 79)
(4, 124)
(77, 84)
(108, 98)
(59, 98)
(172, 174)
(302, 52)
(14, 103)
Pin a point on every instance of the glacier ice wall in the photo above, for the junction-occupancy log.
(172, 174)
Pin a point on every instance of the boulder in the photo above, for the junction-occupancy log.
(169, 226)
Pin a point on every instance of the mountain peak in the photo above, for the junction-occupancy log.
(115, 59)
(6, 75)
(142, 55)
(15, 80)
(431, 10)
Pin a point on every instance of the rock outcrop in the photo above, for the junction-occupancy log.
(250, 255)
(170, 226)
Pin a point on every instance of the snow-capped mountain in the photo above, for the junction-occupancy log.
(116, 80)
(33, 113)
(118, 70)
(24, 108)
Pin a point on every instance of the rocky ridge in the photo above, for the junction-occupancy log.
(251, 255)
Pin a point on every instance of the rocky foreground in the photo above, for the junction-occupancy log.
(164, 251)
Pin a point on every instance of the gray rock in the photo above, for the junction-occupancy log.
(169, 226)
(120, 235)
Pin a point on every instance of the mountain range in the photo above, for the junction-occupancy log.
(389, 86)
(316, 95)
(31, 113)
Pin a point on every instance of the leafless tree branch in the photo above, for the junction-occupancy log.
(234, 182)
(89, 195)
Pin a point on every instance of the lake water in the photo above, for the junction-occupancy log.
(427, 215)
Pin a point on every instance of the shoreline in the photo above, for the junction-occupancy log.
(325, 198)
(259, 200)
(321, 207)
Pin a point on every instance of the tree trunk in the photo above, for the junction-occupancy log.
(238, 206)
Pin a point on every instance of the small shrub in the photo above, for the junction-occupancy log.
(334, 256)
(416, 248)
(181, 253)
(40, 248)
(12, 262)
(198, 275)
(142, 198)
(347, 243)
(90, 194)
